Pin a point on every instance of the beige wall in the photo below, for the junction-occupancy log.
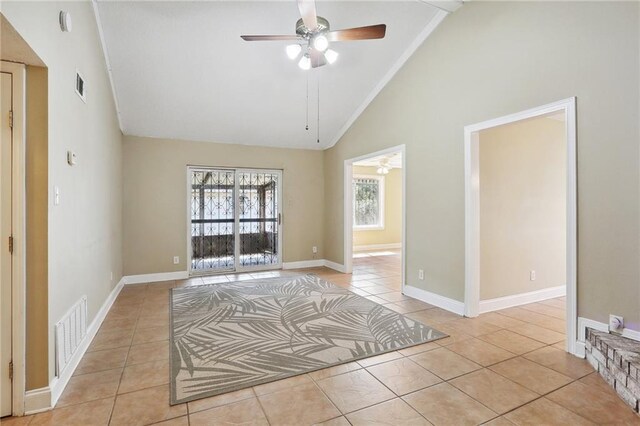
(486, 60)
(392, 232)
(37, 292)
(155, 198)
(522, 207)
(84, 230)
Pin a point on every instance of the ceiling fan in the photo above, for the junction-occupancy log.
(313, 35)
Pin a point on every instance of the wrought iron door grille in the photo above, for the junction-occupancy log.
(215, 241)
(212, 220)
(258, 218)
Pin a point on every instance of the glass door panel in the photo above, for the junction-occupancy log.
(258, 211)
(234, 219)
(212, 220)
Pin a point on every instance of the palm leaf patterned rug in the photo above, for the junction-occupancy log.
(235, 335)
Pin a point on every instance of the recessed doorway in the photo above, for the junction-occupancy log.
(374, 209)
(524, 208)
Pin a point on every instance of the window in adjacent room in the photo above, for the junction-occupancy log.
(368, 202)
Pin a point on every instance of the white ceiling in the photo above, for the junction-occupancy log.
(180, 69)
(394, 160)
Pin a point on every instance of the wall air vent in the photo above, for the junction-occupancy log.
(70, 331)
(81, 87)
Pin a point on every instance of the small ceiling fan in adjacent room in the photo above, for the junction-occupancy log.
(314, 34)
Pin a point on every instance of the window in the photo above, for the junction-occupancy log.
(368, 202)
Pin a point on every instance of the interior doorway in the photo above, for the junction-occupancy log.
(235, 220)
(374, 211)
(520, 198)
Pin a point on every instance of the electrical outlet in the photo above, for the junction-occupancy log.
(616, 323)
(314, 249)
(176, 260)
(532, 275)
(421, 274)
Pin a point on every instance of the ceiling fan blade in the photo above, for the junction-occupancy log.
(317, 58)
(269, 37)
(307, 10)
(360, 33)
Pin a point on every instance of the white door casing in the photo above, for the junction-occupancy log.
(472, 209)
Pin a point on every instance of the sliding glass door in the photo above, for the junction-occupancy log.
(234, 219)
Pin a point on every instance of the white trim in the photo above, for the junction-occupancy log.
(426, 32)
(314, 263)
(107, 62)
(377, 247)
(381, 203)
(348, 208)
(498, 303)
(18, 231)
(151, 278)
(446, 5)
(583, 323)
(445, 303)
(472, 211)
(335, 266)
(37, 400)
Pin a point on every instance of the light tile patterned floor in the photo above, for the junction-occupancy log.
(503, 368)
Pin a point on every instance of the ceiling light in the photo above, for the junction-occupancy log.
(293, 50)
(305, 62)
(382, 170)
(331, 56)
(321, 43)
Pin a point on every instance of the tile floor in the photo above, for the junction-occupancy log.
(503, 368)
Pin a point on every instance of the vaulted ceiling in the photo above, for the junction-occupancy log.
(180, 69)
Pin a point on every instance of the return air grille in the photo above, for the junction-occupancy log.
(70, 331)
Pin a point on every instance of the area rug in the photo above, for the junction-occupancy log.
(230, 336)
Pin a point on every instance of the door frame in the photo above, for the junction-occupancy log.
(236, 269)
(348, 206)
(472, 209)
(18, 265)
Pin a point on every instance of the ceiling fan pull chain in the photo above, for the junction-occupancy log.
(318, 123)
(306, 127)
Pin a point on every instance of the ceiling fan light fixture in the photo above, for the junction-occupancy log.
(331, 55)
(293, 50)
(305, 62)
(320, 42)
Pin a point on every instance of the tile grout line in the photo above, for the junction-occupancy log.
(365, 368)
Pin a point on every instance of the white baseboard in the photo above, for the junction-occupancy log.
(581, 350)
(151, 278)
(315, 263)
(583, 323)
(335, 266)
(445, 303)
(522, 298)
(377, 247)
(37, 400)
(57, 385)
